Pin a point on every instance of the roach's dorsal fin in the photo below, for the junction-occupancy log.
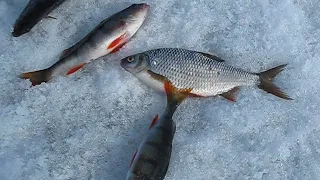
(212, 56)
(134, 156)
(231, 95)
(154, 121)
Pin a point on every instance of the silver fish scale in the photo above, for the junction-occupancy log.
(191, 69)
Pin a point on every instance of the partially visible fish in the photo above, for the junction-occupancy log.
(34, 12)
(108, 37)
(151, 160)
(206, 74)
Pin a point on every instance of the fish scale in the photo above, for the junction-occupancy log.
(191, 69)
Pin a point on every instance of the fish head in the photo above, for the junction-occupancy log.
(136, 63)
(137, 11)
(132, 18)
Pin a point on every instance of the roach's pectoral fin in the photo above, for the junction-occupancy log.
(174, 94)
(158, 76)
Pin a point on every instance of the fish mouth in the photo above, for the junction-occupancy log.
(19, 31)
(143, 6)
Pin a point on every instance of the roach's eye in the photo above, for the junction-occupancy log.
(130, 59)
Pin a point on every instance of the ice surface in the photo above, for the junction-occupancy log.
(88, 125)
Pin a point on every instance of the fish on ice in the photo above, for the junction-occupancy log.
(34, 12)
(151, 160)
(108, 37)
(204, 73)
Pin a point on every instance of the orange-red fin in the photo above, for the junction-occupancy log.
(231, 95)
(117, 43)
(118, 47)
(76, 68)
(134, 156)
(154, 121)
(175, 94)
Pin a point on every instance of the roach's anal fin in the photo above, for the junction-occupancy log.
(231, 95)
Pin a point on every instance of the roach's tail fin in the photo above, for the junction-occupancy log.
(36, 77)
(267, 85)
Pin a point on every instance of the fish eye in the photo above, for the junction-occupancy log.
(130, 59)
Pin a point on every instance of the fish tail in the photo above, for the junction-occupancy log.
(266, 84)
(36, 77)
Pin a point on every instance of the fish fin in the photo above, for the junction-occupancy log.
(134, 156)
(175, 95)
(118, 47)
(157, 76)
(75, 68)
(230, 95)
(36, 77)
(267, 85)
(154, 121)
(116, 44)
(212, 56)
(51, 17)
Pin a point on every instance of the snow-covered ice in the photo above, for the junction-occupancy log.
(88, 125)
